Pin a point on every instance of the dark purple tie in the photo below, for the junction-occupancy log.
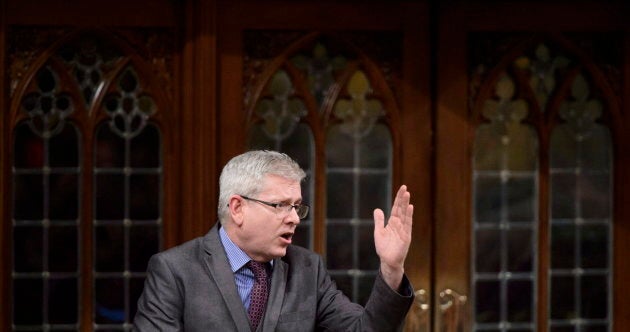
(260, 292)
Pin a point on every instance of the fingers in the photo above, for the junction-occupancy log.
(401, 202)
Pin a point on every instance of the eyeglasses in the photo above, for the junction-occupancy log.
(284, 208)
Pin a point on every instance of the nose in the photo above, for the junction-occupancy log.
(293, 217)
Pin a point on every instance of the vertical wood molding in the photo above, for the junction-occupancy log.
(198, 114)
(453, 163)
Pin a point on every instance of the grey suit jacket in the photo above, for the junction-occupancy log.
(191, 288)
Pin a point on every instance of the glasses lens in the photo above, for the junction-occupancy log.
(302, 211)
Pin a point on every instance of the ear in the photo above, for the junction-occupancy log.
(236, 209)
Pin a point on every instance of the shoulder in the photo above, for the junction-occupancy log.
(186, 252)
(297, 255)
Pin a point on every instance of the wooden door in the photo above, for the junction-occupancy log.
(343, 88)
(531, 164)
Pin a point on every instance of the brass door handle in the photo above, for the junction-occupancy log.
(418, 319)
(452, 311)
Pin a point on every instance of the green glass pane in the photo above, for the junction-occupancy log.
(109, 148)
(597, 150)
(28, 148)
(27, 301)
(595, 195)
(520, 250)
(520, 294)
(63, 301)
(562, 246)
(339, 195)
(373, 193)
(339, 247)
(563, 195)
(29, 197)
(109, 248)
(595, 328)
(128, 82)
(300, 146)
(63, 249)
(368, 260)
(594, 296)
(144, 196)
(594, 242)
(110, 196)
(145, 240)
(109, 297)
(562, 329)
(375, 149)
(28, 249)
(46, 81)
(487, 250)
(521, 197)
(64, 197)
(564, 148)
(145, 148)
(522, 150)
(487, 301)
(562, 305)
(487, 149)
(487, 199)
(339, 148)
(64, 148)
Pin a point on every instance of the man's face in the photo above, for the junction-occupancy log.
(266, 232)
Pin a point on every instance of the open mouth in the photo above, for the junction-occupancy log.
(287, 236)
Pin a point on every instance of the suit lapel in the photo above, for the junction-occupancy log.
(219, 269)
(276, 295)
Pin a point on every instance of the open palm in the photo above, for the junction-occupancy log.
(392, 240)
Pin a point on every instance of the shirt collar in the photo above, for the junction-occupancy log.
(237, 257)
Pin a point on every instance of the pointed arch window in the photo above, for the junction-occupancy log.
(542, 178)
(329, 105)
(87, 183)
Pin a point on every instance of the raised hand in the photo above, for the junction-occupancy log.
(392, 240)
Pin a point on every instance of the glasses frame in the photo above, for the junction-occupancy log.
(300, 209)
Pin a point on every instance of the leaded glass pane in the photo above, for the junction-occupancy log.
(28, 301)
(581, 225)
(505, 184)
(355, 186)
(144, 196)
(64, 240)
(487, 254)
(46, 191)
(109, 300)
(63, 300)
(28, 249)
(128, 198)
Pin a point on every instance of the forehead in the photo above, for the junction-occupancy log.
(279, 186)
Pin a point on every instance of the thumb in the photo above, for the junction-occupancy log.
(379, 219)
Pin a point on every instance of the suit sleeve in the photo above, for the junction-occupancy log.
(385, 309)
(160, 305)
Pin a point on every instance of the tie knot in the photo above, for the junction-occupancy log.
(259, 269)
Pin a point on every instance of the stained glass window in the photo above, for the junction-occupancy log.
(88, 157)
(321, 98)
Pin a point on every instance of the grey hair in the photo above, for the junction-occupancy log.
(244, 174)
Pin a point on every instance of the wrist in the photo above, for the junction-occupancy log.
(392, 275)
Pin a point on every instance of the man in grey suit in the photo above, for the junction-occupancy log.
(211, 284)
